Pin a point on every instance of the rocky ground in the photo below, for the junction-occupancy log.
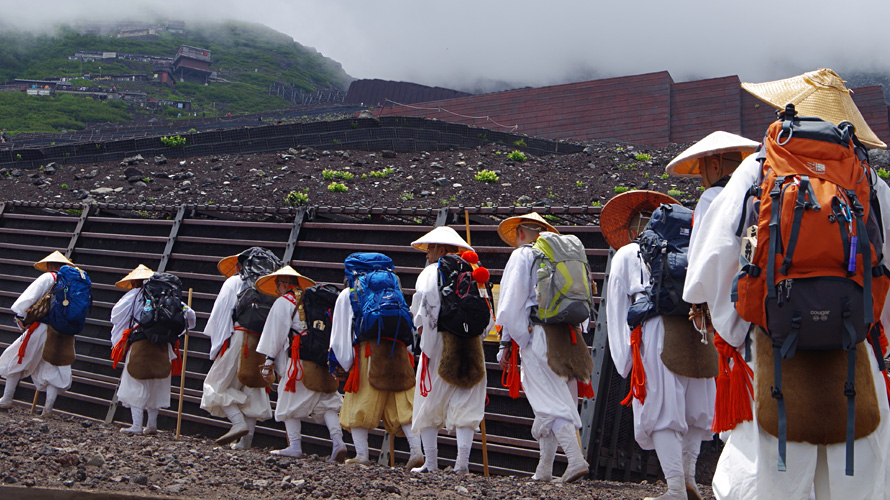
(68, 452)
(379, 179)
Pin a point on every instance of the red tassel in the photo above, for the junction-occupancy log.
(352, 382)
(734, 388)
(510, 376)
(295, 370)
(585, 390)
(637, 372)
(426, 380)
(176, 364)
(119, 349)
(574, 337)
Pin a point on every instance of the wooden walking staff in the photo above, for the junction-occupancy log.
(482, 423)
(185, 353)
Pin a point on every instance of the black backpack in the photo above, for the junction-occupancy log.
(162, 318)
(464, 311)
(257, 262)
(318, 305)
(663, 246)
(252, 309)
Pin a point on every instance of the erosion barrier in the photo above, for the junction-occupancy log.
(109, 240)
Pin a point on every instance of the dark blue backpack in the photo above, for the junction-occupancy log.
(162, 318)
(71, 299)
(377, 302)
(663, 246)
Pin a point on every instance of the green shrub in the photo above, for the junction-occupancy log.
(517, 156)
(336, 187)
(621, 189)
(664, 176)
(487, 176)
(675, 193)
(64, 186)
(643, 157)
(18, 157)
(579, 184)
(520, 143)
(407, 196)
(173, 141)
(296, 198)
(381, 173)
(883, 173)
(192, 130)
(596, 203)
(329, 174)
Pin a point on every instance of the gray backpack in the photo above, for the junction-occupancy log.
(562, 280)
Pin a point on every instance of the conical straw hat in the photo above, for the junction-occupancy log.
(616, 216)
(55, 257)
(507, 227)
(267, 284)
(228, 266)
(689, 164)
(819, 93)
(141, 273)
(442, 235)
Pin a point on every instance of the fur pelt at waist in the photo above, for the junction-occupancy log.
(813, 387)
(148, 361)
(566, 359)
(250, 361)
(684, 353)
(462, 363)
(317, 378)
(390, 369)
(58, 349)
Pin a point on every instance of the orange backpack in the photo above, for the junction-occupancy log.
(817, 278)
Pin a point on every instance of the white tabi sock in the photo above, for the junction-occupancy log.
(429, 437)
(416, 458)
(464, 445)
(151, 426)
(12, 381)
(51, 393)
(294, 438)
(360, 440)
(547, 445)
(136, 415)
(338, 447)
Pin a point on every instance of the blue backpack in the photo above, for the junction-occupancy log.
(663, 246)
(71, 299)
(377, 302)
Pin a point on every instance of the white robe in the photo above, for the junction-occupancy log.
(341, 331)
(302, 404)
(132, 393)
(221, 386)
(551, 397)
(681, 404)
(747, 468)
(446, 406)
(42, 373)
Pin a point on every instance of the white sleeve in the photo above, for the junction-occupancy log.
(32, 294)
(714, 260)
(618, 301)
(425, 304)
(123, 312)
(276, 329)
(220, 324)
(517, 296)
(341, 330)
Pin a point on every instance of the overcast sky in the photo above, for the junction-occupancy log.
(460, 43)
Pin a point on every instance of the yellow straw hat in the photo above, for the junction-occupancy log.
(507, 227)
(689, 162)
(267, 284)
(53, 258)
(819, 93)
(618, 213)
(228, 266)
(141, 273)
(442, 235)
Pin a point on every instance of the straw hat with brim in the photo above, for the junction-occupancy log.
(442, 235)
(53, 258)
(689, 162)
(507, 227)
(616, 216)
(819, 93)
(228, 266)
(141, 273)
(267, 283)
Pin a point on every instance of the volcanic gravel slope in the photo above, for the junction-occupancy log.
(378, 179)
(70, 452)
